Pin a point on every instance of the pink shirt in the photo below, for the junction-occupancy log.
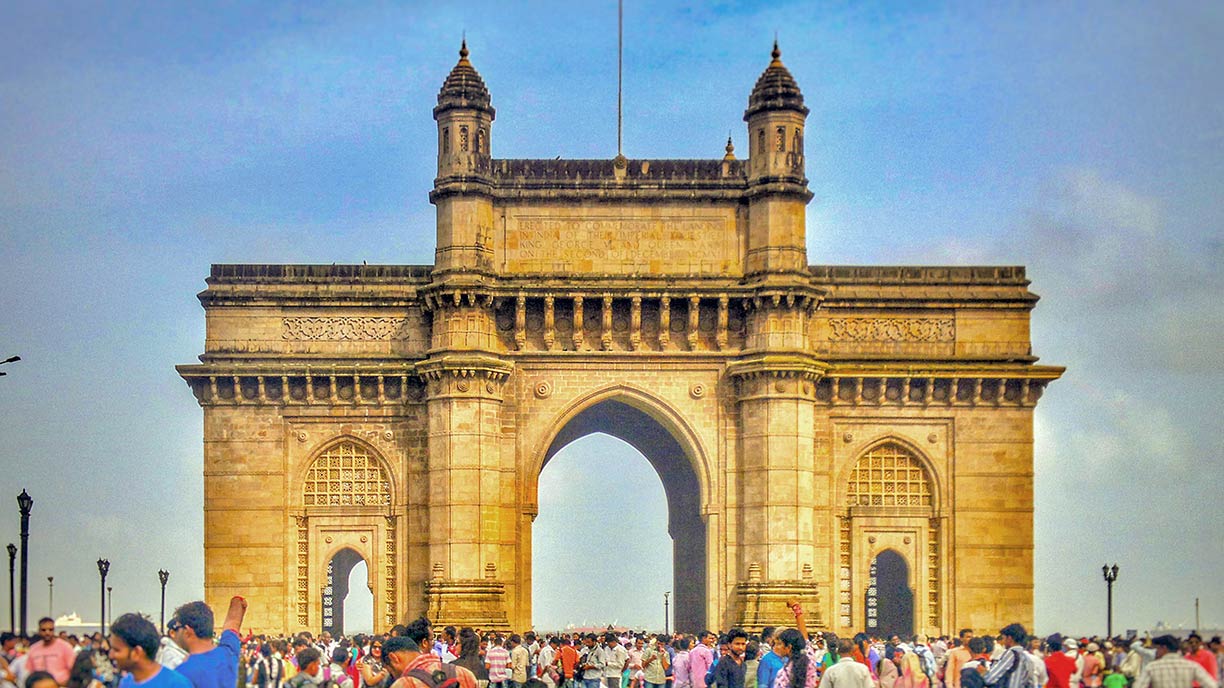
(55, 658)
(700, 659)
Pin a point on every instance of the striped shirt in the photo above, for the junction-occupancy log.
(498, 660)
(1012, 670)
(1173, 671)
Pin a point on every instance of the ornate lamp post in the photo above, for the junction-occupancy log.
(12, 552)
(25, 503)
(667, 613)
(51, 596)
(103, 569)
(1111, 575)
(163, 576)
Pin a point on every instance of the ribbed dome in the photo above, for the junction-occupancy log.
(464, 88)
(775, 89)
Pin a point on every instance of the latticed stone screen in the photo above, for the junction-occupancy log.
(889, 475)
(346, 475)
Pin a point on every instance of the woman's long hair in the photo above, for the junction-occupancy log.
(799, 659)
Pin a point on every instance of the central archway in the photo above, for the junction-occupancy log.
(681, 486)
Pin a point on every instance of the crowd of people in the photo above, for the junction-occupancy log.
(191, 654)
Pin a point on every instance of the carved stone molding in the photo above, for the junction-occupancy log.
(465, 375)
(345, 328)
(772, 375)
(892, 329)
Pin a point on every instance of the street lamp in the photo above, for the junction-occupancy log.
(25, 503)
(163, 576)
(110, 608)
(10, 359)
(12, 552)
(51, 596)
(666, 613)
(103, 568)
(1111, 575)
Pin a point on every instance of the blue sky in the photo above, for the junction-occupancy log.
(140, 142)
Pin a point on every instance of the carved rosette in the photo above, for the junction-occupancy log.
(465, 376)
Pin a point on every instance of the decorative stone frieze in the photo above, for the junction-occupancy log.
(345, 329)
(892, 329)
(1020, 389)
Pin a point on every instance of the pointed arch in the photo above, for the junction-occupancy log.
(890, 468)
(346, 472)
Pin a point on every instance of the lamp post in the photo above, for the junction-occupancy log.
(163, 576)
(110, 608)
(25, 503)
(12, 552)
(1111, 575)
(51, 596)
(667, 613)
(103, 569)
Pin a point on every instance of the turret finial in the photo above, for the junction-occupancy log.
(730, 149)
(776, 54)
(463, 51)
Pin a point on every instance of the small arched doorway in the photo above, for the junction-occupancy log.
(681, 487)
(346, 594)
(889, 597)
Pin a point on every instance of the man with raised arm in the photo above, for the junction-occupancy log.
(209, 663)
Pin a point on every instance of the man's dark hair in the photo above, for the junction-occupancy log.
(516, 639)
(306, 656)
(137, 632)
(1054, 643)
(400, 643)
(299, 641)
(6, 636)
(767, 633)
(1014, 631)
(702, 635)
(398, 629)
(1194, 635)
(1168, 642)
(990, 643)
(37, 676)
(736, 633)
(751, 651)
(591, 636)
(418, 631)
(977, 645)
(963, 631)
(197, 616)
(682, 644)
(554, 640)
(46, 619)
(340, 656)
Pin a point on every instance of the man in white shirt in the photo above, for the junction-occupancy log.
(616, 659)
(847, 672)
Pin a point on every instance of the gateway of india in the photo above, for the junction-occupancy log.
(859, 438)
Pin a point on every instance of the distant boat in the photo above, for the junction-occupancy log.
(72, 624)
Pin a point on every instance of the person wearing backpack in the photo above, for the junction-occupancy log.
(1013, 669)
(308, 675)
(411, 657)
(335, 675)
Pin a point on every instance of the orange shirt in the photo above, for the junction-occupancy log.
(569, 658)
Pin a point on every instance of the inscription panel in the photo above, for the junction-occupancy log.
(609, 244)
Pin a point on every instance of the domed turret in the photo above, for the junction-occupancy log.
(775, 118)
(465, 116)
(463, 88)
(775, 89)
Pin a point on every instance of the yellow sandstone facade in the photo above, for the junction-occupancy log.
(805, 419)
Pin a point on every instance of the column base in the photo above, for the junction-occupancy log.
(479, 603)
(759, 604)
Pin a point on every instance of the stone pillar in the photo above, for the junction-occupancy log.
(775, 384)
(468, 502)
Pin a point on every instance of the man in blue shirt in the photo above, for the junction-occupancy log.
(134, 641)
(208, 664)
(770, 662)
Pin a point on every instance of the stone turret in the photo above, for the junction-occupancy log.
(777, 184)
(462, 189)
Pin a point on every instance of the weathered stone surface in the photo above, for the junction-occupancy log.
(803, 418)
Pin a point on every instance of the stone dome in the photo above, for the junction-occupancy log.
(775, 89)
(463, 88)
